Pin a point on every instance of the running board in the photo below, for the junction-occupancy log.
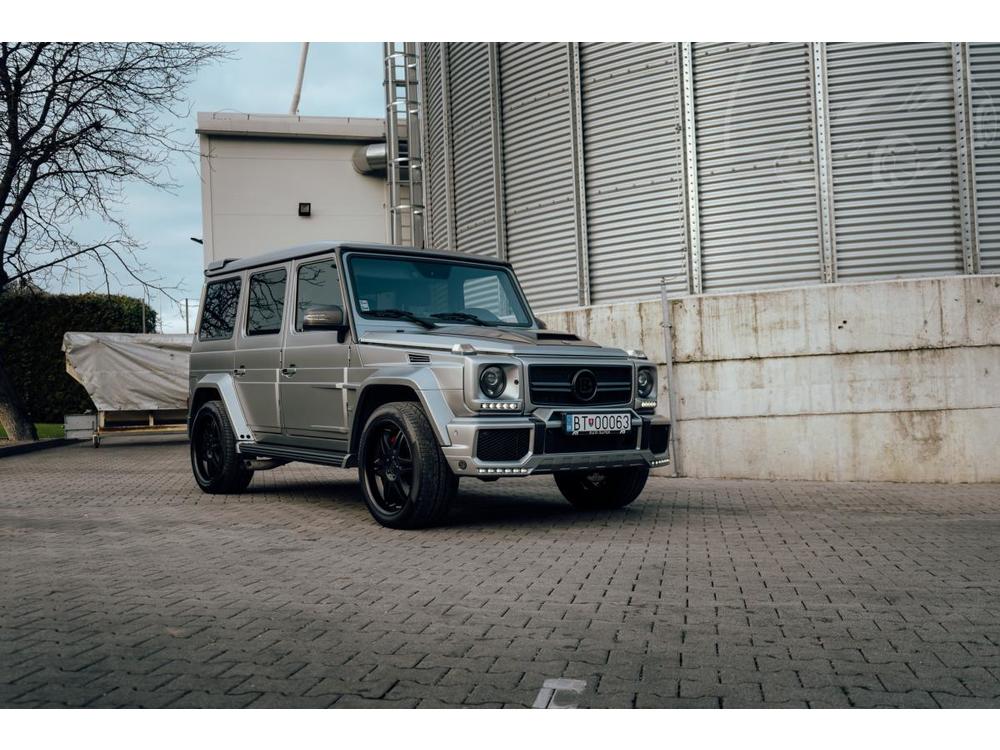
(307, 455)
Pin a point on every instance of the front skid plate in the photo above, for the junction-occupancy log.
(546, 464)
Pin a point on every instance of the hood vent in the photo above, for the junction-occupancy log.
(556, 336)
(419, 359)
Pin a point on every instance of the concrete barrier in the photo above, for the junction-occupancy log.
(889, 380)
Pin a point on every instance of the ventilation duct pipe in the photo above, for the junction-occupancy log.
(370, 159)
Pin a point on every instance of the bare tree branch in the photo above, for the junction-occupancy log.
(77, 123)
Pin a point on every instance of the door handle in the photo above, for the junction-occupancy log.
(240, 371)
(288, 371)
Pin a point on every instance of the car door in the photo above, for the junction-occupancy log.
(258, 353)
(312, 377)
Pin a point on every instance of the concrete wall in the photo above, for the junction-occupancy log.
(895, 381)
(256, 169)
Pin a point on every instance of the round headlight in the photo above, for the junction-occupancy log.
(645, 382)
(492, 381)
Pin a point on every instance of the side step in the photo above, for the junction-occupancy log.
(307, 455)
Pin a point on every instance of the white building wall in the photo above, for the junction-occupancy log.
(880, 381)
(256, 171)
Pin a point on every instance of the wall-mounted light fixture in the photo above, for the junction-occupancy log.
(305, 209)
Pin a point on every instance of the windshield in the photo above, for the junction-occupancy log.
(436, 292)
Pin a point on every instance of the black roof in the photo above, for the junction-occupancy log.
(230, 265)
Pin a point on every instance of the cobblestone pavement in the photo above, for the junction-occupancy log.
(122, 585)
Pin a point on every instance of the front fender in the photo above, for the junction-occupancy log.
(421, 381)
(222, 383)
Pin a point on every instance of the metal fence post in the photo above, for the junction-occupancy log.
(667, 324)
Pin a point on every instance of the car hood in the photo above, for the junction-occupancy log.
(495, 341)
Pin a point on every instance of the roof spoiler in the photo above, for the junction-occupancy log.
(218, 265)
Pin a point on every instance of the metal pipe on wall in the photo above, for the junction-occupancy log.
(668, 359)
(294, 109)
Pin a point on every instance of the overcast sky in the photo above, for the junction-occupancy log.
(341, 80)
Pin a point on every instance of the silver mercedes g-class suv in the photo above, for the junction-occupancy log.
(416, 366)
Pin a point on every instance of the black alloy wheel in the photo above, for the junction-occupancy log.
(207, 448)
(389, 469)
(405, 479)
(217, 467)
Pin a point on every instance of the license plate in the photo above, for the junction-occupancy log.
(597, 424)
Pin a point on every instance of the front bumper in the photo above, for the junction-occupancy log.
(544, 453)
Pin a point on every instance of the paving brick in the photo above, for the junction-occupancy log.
(132, 698)
(126, 586)
(277, 700)
(205, 699)
(355, 701)
(649, 700)
(865, 698)
(946, 700)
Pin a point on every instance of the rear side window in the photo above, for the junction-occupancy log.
(218, 318)
(318, 286)
(266, 303)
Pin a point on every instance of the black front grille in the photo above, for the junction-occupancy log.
(552, 385)
(557, 441)
(502, 445)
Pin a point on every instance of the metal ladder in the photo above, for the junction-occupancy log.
(404, 160)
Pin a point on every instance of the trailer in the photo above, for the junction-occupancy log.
(137, 381)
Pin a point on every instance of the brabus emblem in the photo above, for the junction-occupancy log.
(584, 385)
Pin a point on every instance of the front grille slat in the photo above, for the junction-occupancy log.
(552, 385)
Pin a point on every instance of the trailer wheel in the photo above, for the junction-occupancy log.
(218, 468)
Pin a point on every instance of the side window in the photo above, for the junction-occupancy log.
(219, 315)
(318, 286)
(266, 302)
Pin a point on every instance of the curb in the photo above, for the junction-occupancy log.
(38, 445)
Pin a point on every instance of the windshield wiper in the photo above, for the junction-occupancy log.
(464, 317)
(397, 314)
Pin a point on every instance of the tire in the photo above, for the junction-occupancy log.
(607, 489)
(405, 479)
(218, 468)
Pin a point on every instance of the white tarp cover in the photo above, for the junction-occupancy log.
(131, 371)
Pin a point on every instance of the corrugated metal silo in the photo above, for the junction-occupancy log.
(600, 169)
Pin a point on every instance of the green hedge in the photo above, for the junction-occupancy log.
(31, 333)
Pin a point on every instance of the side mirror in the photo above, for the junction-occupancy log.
(325, 318)
(540, 323)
